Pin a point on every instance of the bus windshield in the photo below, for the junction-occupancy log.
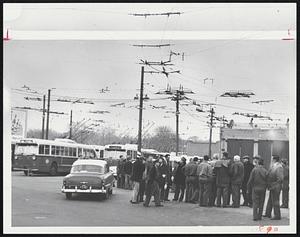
(87, 168)
(26, 149)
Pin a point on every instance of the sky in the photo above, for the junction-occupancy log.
(81, 68)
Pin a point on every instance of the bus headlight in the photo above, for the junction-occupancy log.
(16, 157)
(34, 157)
(47, 161)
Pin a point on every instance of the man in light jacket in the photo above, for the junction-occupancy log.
(204, 172)
(275, 179)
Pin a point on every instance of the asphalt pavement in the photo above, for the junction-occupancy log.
(37, 201)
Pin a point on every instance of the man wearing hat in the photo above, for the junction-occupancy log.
(136, 177)
(168, 177)
(152, 187)
(128, 171)
(237, 176)
(258, 183)
(191, 180)
(179, 180)
(222, 180)
(248, 167)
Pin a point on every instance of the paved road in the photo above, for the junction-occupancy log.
(38, 201)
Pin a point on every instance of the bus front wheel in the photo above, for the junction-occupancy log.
(53, 169)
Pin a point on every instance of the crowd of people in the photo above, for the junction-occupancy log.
(208, 182)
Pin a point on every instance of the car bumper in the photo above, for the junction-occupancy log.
(77, 190)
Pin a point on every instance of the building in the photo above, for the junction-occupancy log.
(256, 141)
(201, 148)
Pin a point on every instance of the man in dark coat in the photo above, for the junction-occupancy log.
(191, 180)
(275, 179)
(285, 184)
(152, 187)
(258, 183)
(136, 177)
(168, 178)
(142, 183)
(128, 171)
(179, 180)
(247, 170)
(237, 176)
(222, 180)
(120, 173)
(162, 174)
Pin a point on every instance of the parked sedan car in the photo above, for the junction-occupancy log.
(88, 176)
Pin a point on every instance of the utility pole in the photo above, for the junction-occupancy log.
(177, 95)
(210, 130)
(71, 125)
(141, 111)
(48, 110)
(43, 120)
(177, 122)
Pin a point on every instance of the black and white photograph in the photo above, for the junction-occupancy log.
(162, 118)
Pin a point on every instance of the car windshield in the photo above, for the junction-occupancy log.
(87, 168)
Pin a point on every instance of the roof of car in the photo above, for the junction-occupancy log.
(90, 162)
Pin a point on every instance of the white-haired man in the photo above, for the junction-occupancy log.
(237, 176)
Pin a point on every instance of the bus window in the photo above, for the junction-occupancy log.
(101, 153)
(41, 149)
(53, 150)
(79, 152)
(66, 151)
(47, 149)
(57, 150)
(74, 152)
(62, 151)
(128, 153)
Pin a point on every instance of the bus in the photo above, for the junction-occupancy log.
(13, 147)
(99, 151)
(49, 156)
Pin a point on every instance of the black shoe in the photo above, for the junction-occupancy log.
(175, 200)
(275, 218)
(159, 205)
(166, 200)
(145, 205)
(267, 216)
(194, 202)
(133, 202)
(255, 219)
(218, 205)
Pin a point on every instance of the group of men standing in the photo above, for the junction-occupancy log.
(209, 182)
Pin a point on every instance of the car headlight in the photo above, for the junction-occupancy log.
(16, 157)
(47, 161)
(34, 157)
(64, 182)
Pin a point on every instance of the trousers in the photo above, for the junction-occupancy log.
(135, 191)
(285, 197)
(152, 189)
(179, 189)
(273, 203)
(191, 187)
(258, 197)
(213, 193)
(204, 192)
(247, 196)
(222, 193)
(127, 182)
(236, 194)
(141, 191)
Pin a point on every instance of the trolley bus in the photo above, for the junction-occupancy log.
(48, 156)
(13, 147)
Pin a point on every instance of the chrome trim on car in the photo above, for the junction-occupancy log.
(76, 190)
(23, 169)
